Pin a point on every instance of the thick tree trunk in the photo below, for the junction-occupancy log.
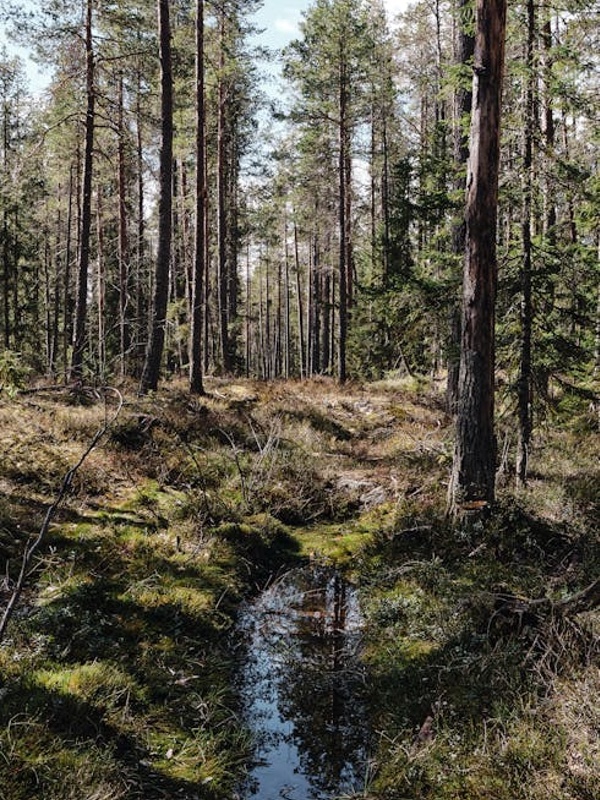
(473, 476)
(79, 332)
(154, 352)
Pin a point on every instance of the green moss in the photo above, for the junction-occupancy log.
(189, 599)
(99, 682)
(344, 542)
(118, 682)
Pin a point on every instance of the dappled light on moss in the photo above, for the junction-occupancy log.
(117, 677)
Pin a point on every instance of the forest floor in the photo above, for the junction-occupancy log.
(116, 674)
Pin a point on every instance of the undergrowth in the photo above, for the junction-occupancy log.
(467, 694)
(116, 677)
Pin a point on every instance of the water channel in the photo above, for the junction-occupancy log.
(302, 688)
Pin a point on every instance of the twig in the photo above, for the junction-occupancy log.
(34, 544)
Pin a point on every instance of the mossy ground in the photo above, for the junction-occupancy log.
(116, 677)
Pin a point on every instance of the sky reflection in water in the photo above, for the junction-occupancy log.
(302, 688)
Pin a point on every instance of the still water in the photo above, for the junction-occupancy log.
(302, 688)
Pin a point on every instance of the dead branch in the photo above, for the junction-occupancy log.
(34, 543)
(587, 599)
(518, 612)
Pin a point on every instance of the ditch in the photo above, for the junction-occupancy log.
(302, 688)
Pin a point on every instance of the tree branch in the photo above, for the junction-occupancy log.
(517, 611)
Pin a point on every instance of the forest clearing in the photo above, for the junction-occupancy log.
(299, 400)
(118, 670)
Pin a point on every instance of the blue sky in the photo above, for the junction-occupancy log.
(281, 19)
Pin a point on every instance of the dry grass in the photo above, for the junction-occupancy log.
(189, 503)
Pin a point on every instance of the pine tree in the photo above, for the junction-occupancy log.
(474, 466)
(151, 372)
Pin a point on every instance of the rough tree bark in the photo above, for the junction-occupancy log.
(473, 473)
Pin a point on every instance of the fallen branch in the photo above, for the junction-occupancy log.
(521, 611)
(586, 600)
(34, 543)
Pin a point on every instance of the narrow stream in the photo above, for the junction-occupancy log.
(302, 688)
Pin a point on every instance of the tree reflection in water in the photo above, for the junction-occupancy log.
(302, 688)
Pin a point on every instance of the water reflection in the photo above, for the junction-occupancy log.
(301, 685)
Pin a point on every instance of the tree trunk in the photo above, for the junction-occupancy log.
(525, 382)
(222, 228)
(57, 260)
(141, 289)
(86, 205)
(6, 254)
(268, 303)
(326, 334)
(248, 314)
(547, 291)
(123, 239)
(463, 99)
(473, 474)
(47, 294)
(385, 204)
(301, 333)
(343, 207)
(314, 328)
(196, 377)
(280, 334)
(154, 352)
(67, 297)
(101, 286)
(287, 360)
